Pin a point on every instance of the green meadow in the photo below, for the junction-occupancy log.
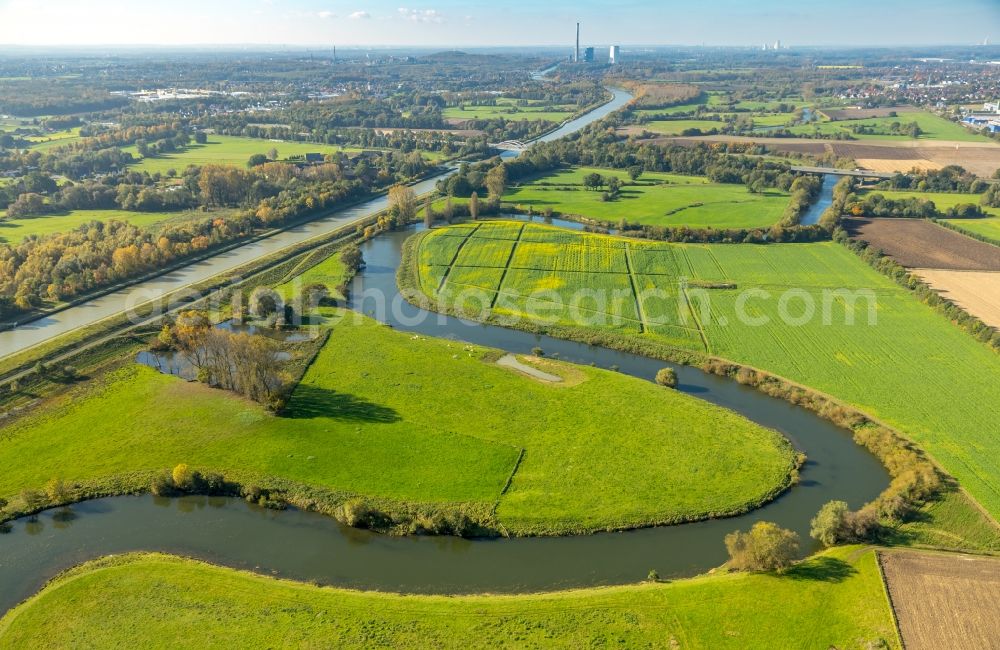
(508, 110)
(677, 127)
(942, 200)
(235, 150)
(899, 360)
(835, 599)
(989, 227)
(372, 416)
(13, 231)
(656, 199)
(933, 127)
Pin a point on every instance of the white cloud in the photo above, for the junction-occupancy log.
(360, 15)
(326, 14)
(421, 15)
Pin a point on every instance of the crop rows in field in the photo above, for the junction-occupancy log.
(498, 230)
(813, 313)
(553, 276)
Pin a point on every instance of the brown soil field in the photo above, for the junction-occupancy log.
(791, 145)
(655, 95)
(895, 165)
(944, 602)
(981, 161)
(917, 243)
(873, 151)
(977, 292)
(864, 113)
(980, 158)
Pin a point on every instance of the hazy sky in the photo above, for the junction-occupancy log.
(447, 23)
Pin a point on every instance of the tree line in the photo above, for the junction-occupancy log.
(64, 265)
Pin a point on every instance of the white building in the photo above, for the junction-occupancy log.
(615, 54)
(992, 107)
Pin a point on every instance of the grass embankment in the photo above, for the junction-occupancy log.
(655, 199)
(148, 600)
(373, 417)
(909, 367)
(950, 522)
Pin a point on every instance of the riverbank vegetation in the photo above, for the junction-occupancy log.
(835, 599)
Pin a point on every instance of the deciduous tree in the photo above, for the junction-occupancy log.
(766, 547)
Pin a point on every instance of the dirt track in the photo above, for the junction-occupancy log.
(977, 292)
(944, 602)
(916, 243)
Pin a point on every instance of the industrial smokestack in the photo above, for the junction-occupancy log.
(576, 55)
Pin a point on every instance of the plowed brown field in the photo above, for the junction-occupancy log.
(944, 602)
(916, 243)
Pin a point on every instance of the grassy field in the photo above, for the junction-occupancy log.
(943, 200)
(657, 199)
(12, 231)
(372, 416)
(907, 367)
(933, 127)
(152, 601)
(234, 150)
(507, 109)
(676, 127)
(951, 522)
(329, 272)
(989, 227)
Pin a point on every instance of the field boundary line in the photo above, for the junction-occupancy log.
(643, 327)
(506, 488)
(506, 267)
(454, 258)
(697, 321)
(888, 597)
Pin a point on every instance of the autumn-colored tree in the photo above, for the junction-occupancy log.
(474, 206)
(57, 491)
(183, 476)
(766, 547)
(32, 501)
(496, 182)
(403, 202)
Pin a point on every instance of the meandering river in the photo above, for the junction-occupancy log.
(312, 547)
